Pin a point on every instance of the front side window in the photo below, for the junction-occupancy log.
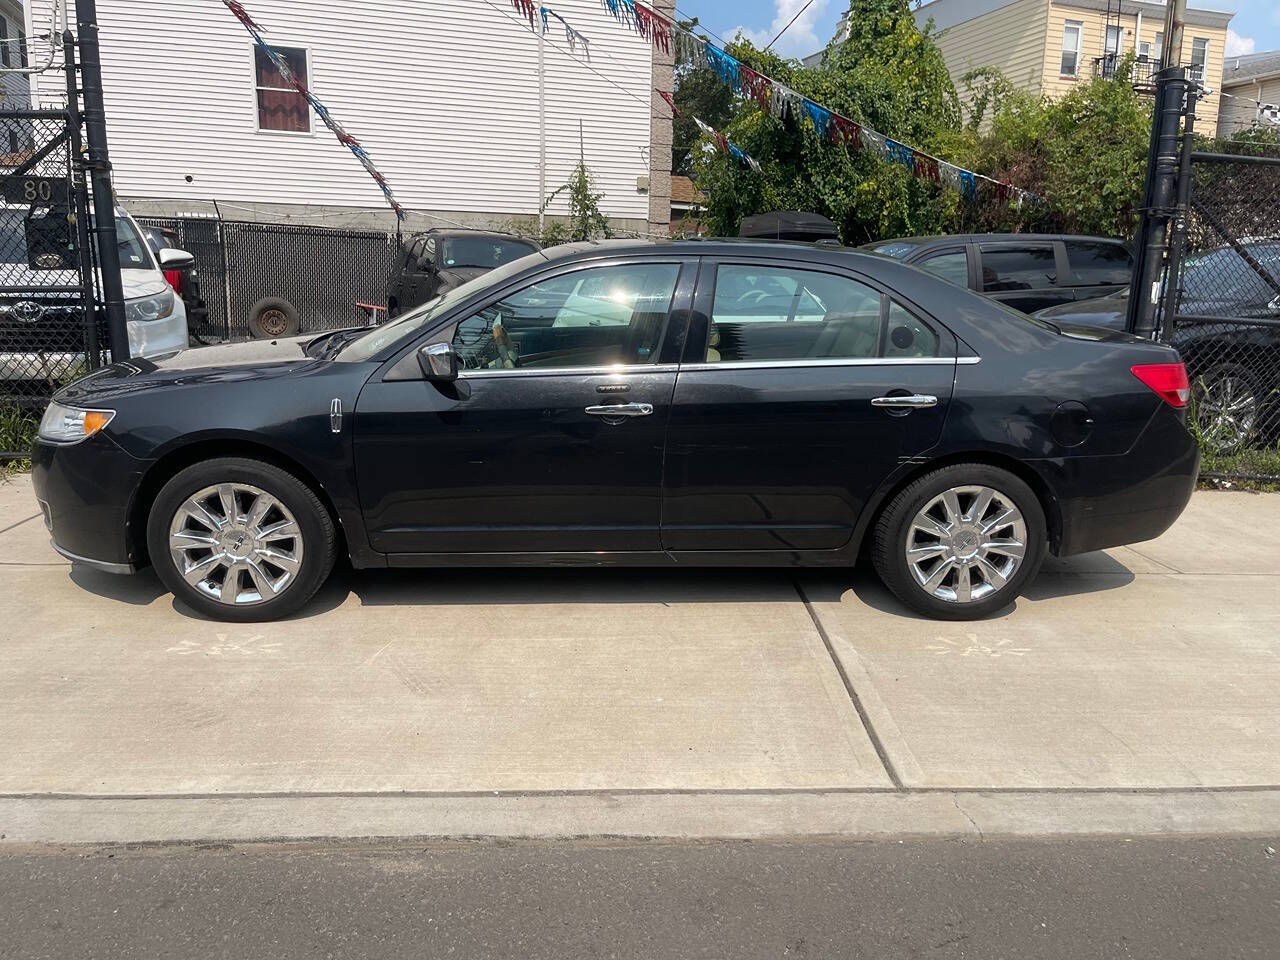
(952, 267)
(597, 317)
(1071, 31)
(1099, 263)
(1018, 268)
(280, 106)
(765, 313)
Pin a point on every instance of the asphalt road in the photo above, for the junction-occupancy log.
(1165, 899)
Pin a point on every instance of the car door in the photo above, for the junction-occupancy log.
(1027, 276)
(551, 439)
(802, 388)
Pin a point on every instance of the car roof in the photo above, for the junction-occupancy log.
(817, 251)
(469, 231)
(997, 237)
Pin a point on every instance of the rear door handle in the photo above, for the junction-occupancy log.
(910, 402)
(621, 410)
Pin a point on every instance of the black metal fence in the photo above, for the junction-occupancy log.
(47, 275)
(1227, 321)
(244, 268)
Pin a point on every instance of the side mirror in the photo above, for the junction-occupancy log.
(439, 362)
(171, 259)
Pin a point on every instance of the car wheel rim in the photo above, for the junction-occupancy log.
(273, 322)
(966, 543)
(1226, 412)
(236, 544)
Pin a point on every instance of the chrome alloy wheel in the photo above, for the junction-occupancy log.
(966, 543)
(236, 543)
(1227, 412)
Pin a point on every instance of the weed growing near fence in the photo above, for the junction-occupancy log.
(17, 432)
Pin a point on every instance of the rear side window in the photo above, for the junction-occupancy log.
(1018, 268)
(952, 267)
(1095, 263)
(762, 313)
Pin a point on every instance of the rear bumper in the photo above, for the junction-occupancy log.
(1111, 501)
(86, 492)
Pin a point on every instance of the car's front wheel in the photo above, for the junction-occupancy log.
(1227, 404)
(240, 539)
(960, 542)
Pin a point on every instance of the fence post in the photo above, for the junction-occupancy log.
(1162, 171)
(78, 204)
(1178, 236)
(104, 204)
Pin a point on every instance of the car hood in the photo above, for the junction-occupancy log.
(251, 360)
(136, 283)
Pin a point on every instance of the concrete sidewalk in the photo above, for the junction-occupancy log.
(1131, 691)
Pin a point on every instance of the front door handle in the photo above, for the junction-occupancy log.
(621, 410)
(910, 402)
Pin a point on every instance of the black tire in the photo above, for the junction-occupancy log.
(313, 520)
(894, 528)
(1216, 388)
(272, 318)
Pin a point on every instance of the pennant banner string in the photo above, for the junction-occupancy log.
(718, 138)
(782, 102)
(289, 77)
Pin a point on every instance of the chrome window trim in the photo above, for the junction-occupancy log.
(621, 369)
(831, 362)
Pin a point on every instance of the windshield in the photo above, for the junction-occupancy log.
(133, 252)
(481, 251)
(422, 317)
(1223, 274)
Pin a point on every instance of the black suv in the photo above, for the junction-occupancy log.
(1027, 271)
(440, 259)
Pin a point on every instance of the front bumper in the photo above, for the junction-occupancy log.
(86, 493)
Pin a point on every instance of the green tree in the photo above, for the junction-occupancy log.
(698, 93)
(883, 71)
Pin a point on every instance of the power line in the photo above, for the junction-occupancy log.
(788, 26)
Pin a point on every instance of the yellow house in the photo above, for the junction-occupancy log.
(1048, 46)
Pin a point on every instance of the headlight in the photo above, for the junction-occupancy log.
(71, 425)
(149, 308)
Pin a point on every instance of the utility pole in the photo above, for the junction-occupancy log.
(99, 164)
(1158, 207)
(542, 140)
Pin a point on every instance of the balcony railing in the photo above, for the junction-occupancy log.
(1143, 70)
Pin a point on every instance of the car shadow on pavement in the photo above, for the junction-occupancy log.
(489, 586)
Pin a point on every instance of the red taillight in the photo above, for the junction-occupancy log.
(1169, 380)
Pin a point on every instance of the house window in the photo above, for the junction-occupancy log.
(1071, 31)
(5, 59)
(1113, 40)
(22, 49)
(280, 106)
(1158, 52)
(1199, 54)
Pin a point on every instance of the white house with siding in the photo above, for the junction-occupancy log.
(444, 96)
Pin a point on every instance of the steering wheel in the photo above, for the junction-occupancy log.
(753, 297)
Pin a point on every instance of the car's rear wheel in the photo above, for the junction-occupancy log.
(1227, 404)
(240, 540)
(960, 542)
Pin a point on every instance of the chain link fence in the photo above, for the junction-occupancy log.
(46, 285)
(1227, 321)
(274, 279)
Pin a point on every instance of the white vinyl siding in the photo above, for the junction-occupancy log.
(1072, 32)
(443, 96)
